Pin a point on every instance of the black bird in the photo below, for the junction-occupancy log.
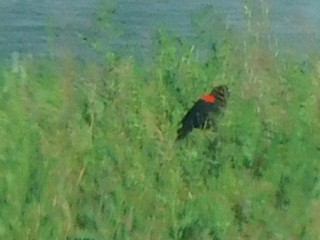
(204, 112)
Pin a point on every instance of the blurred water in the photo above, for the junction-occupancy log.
(29, 26)
(53, 27)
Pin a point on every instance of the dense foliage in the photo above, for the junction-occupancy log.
(87, 150)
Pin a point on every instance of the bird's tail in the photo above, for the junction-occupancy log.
(182, 133)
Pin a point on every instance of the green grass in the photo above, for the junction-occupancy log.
(87, 150)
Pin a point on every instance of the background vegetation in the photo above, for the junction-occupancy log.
(87, 150)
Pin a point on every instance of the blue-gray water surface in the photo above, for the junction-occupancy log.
(54, 27)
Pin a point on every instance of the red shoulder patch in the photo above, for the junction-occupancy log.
(209, 98)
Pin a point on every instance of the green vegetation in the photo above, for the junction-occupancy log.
(87, 150)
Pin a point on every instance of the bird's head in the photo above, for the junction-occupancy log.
(221, 92)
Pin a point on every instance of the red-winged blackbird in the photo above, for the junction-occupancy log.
(204, 112)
